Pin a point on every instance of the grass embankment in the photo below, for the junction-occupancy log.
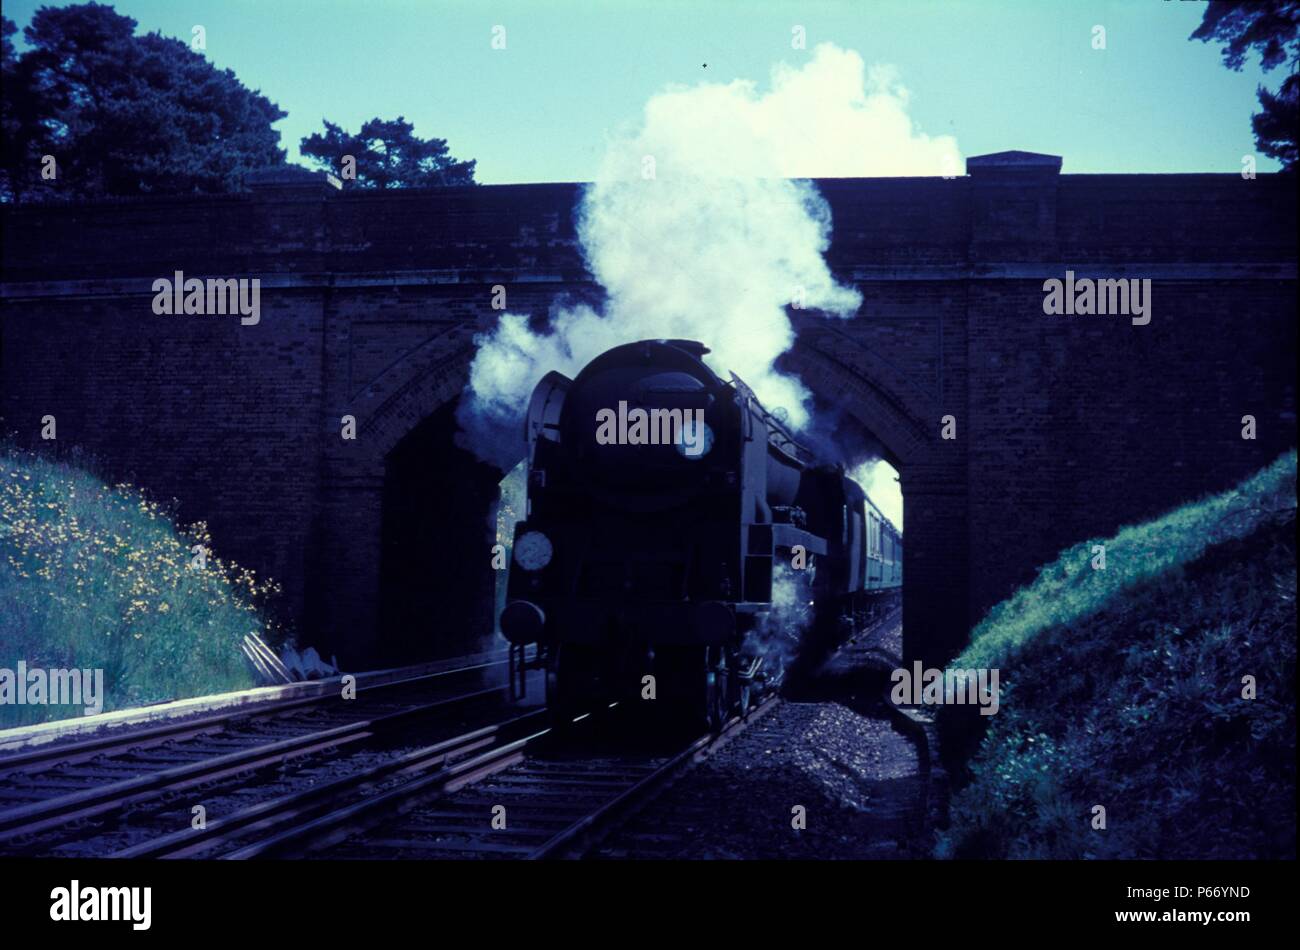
(1124, 688)
(93, 576)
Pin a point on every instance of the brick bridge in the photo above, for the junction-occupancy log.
(1067, 426)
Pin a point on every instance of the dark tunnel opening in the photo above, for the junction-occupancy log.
(437, 586)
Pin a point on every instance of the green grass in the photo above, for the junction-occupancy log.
(1069, 589)
(98, 576)
(1124, 688)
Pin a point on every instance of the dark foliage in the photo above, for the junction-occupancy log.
(123, 114)
(1272, 29)
(1140, 708)
(386, 154)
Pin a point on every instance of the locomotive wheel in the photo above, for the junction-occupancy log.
(722, 688)
(743, 690)
(775, 675)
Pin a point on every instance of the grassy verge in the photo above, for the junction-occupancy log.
(1127, 688)
(94, 576)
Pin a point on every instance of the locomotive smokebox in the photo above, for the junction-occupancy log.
(639, 425)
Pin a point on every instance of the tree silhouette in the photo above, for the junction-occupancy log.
(386, 154)
(1271, 28)
(123, 114)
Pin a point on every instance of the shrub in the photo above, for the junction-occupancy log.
(93, 576)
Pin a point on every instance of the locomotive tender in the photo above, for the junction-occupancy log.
(658, 555)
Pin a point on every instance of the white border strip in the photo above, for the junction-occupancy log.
(22, 737)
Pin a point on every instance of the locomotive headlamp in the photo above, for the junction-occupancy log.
(533, 551)
(694, 439)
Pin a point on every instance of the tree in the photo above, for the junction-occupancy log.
(1271, 28)
(386, 154)
(125, 115)
(17, 124)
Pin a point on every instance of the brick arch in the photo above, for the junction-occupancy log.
(873, 392)
(903, 414)
(894, 407)
(878, 396)
(343, 564)
(411, 390)
(349, 570)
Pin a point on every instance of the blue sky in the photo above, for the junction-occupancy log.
(994, 74)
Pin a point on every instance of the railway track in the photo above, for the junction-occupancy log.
(503, 790)
(531, 798)
(266, 827)
(362, 783)
(88, 796)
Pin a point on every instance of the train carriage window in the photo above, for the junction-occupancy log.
(855, 558)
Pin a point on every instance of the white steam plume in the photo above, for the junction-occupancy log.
(879, 480)
(696, 230)
(779, 633)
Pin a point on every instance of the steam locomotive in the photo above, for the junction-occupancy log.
(670, 521)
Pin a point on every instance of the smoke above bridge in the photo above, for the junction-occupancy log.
(701, 225)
